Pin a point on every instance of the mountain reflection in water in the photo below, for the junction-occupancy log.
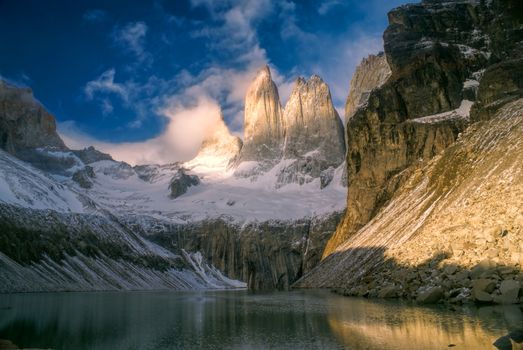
(243, 320)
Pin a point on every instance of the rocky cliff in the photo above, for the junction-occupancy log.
(453, 230)
(24, 123)
(312, 124)
(263, 123)
(370, 74)
(423, 182)
(313, 133)
(266, 255)
(437, 52)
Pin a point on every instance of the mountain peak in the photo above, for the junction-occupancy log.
(24, 122)
(263, 122)
(312, 123)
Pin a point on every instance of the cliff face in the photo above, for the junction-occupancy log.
(263, 123)
(24, 123)
(266, 255)
(433, 201)
(370, 74)
(312, 123)
(453, 228)
(438, 53)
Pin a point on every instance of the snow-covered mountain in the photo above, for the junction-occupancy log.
(241, 188)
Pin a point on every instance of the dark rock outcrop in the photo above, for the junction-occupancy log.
(90, 155)
(24, 123)
(181, 182)
(84, 177)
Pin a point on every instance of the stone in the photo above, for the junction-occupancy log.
(509, 290)
(450, 269)
(430, 296)
(482, 297)
(484, 285)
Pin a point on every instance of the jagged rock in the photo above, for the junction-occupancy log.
(370, 74)
(313, 134)
(90, 155)
(83, 177)
(312, 124)
(24, 122)
(509, 290)
(181, 182)
(483, 285)
(263, 121)
(430, 296)
(482, 297)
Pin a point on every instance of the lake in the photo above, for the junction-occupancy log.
(243, 320)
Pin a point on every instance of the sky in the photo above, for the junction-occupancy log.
(145, 80)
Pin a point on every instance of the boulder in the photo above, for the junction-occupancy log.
(509, 290)
(482, 267)
(483, 285)
(430, 296)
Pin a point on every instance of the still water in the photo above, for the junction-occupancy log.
(242, 320)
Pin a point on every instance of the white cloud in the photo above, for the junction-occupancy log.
(105, 84)
(328, 5)
(107, 106)
(95, 15)
(187, 127)
(132, 38)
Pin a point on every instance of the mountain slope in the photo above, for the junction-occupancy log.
(441, 54)
(55, 238)
(451, 214)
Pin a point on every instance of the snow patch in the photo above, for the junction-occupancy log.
(463, 112)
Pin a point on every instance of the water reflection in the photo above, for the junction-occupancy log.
(241, 320)
(382, 325)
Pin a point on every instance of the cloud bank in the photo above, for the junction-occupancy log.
(187, 127)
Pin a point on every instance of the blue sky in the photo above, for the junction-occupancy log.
(120, 72)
